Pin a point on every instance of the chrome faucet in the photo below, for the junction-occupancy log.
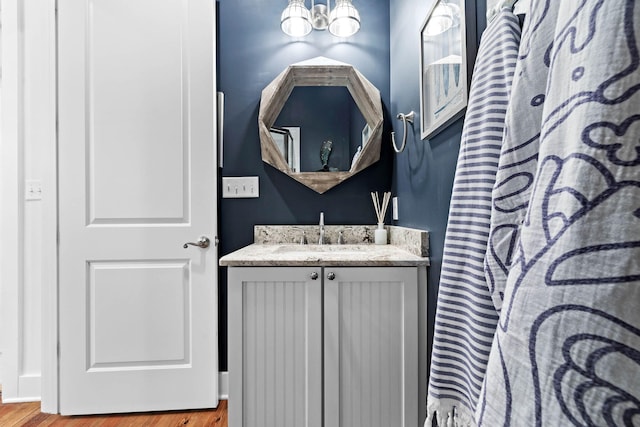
(321, 240)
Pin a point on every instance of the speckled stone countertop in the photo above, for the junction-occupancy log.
(280, 246)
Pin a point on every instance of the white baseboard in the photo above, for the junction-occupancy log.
(30, 387)
(29, 390)
(25, 389)
(20, 399)
(223, 385)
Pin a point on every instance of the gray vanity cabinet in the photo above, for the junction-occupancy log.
(323, 346)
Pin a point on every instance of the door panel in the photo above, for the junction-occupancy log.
(137, 179)
(138, 111)
(149, 326)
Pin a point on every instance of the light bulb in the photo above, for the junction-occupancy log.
(344, 20)
(296, 19)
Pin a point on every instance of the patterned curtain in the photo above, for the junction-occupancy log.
(562, 260)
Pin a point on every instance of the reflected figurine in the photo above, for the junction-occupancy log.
(325, 153)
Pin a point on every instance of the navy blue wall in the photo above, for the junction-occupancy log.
(252, 51)
(424, 172)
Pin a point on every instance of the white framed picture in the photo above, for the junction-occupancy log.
(444, 82)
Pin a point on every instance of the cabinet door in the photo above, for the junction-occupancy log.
(275, 347)
(371, 347)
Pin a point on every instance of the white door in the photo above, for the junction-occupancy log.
(137, 179)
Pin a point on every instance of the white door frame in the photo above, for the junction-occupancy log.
(10, 191)
(29, 24)
(46, 10)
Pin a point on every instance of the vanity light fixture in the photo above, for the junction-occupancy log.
(342, 21)
(444, 16)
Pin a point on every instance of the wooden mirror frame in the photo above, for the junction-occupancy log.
(320, 72)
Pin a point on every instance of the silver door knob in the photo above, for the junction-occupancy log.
(331, 275)
(314, 275)
(203, 242)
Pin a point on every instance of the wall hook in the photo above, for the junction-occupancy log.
(405, 118)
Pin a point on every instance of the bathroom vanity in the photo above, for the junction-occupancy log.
(326, 335)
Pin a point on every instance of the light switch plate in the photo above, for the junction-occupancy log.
(33, 189)
(235, 187)
(394, 206)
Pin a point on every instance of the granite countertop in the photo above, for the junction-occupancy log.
(273, 247)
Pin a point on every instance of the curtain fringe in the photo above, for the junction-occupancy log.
(448, 413)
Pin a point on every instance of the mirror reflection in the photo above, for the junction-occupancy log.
(320, 129)
(287, 140)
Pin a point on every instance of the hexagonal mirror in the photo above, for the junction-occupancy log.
(320, 122)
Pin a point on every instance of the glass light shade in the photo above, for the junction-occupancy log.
(296, 19)
(440, 21)
(344, 20)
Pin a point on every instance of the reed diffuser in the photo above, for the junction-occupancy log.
(380, 234)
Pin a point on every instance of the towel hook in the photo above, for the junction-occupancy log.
(405, 118)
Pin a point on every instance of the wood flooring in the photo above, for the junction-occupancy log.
(29, 415)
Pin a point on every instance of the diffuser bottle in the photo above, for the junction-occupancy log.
(380, 234)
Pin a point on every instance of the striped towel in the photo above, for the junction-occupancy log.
(466, 318)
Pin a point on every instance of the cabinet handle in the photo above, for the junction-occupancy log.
(314, 275)
(331, 275)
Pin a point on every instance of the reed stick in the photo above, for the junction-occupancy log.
(381, 209)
